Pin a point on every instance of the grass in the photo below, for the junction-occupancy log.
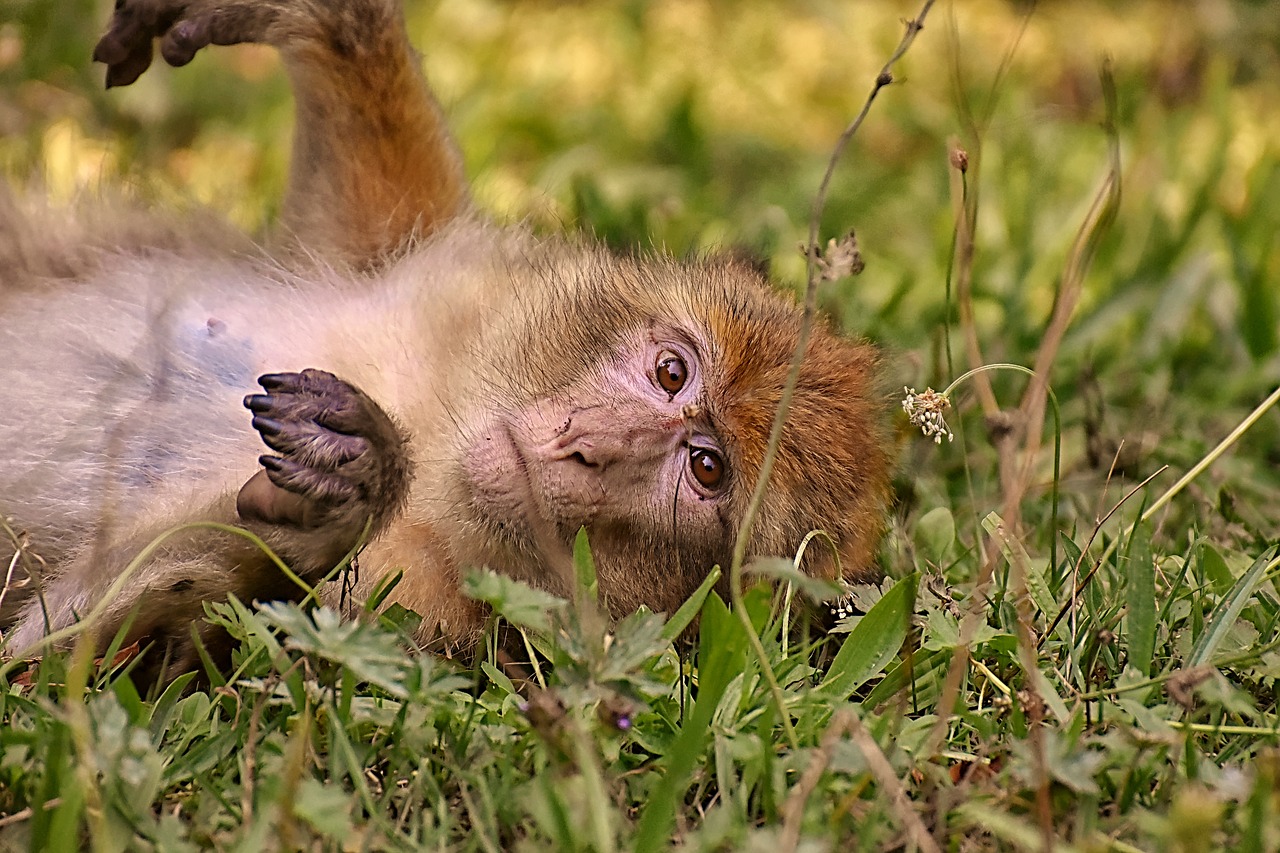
(988, 695)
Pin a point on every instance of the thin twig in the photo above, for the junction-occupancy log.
(8, 576)
(32, 564)
(1102, 213)
(884, 78)
(248, 772)
(966, 222)
(1027, 648)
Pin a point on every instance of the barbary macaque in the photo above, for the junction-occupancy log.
(463, 394)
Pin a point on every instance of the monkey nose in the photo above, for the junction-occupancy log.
(585, 456)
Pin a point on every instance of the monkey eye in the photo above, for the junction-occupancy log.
(707, 467)
(671, 372)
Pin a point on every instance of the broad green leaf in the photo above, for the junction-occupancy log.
(936, 533)
(500, 678)
(517, 602)
(636, 640)
(942, 632)
(326, 807)
(163, 710)
(1215, 569)
(369, 652)
(873, 642)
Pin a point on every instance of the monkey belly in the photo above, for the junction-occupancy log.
(118, 406)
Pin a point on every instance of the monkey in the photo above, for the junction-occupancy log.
(439, 390)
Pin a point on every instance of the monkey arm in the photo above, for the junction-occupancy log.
(373, 163)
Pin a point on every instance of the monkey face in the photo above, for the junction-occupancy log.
(474, 393)
(628, 451)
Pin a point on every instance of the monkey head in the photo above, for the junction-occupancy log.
(640, 406)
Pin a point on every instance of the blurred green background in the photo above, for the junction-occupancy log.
(697, 124)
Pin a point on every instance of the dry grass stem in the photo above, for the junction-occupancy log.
(1096, 223)
(889, 783)
(793, 809)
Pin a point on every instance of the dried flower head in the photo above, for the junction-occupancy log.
(840, 259)
(960, 159)
(844, 606)
(925, 411)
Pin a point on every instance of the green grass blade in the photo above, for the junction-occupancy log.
(1037, 584)
(1229, 609)
(1141, 601)
(722, 651)
(584, 567)
(685, 615)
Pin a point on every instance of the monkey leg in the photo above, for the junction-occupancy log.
(172, 571)
(373, 163)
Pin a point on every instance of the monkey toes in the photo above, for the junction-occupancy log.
(341, 458)
(183, 27)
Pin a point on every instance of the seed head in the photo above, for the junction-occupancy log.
(925, 411)
(844, 606)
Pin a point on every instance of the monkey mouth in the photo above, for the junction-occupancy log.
(503, 487)
(498, 472)
(513, 531)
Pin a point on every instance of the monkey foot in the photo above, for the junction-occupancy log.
(183, 27)
(341, 458)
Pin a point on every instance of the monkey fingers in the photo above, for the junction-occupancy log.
(341, 457)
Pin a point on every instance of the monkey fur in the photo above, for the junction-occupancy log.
(472, 394)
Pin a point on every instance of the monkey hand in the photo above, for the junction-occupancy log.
(342, 465)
